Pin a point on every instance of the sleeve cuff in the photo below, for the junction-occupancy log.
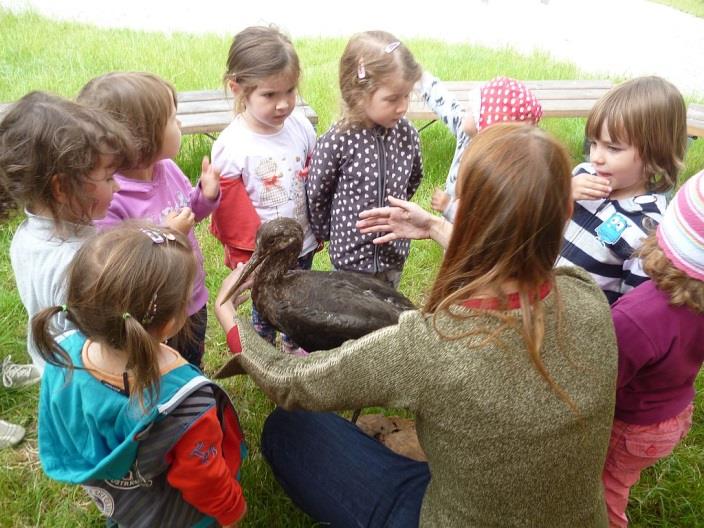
(233, 340)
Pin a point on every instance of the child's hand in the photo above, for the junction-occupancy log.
(440, 200)
(209, 179)
(590, 187)
(225, 305)
(182, 220)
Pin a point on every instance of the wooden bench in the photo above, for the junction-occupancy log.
(567, 98)
(209, 111)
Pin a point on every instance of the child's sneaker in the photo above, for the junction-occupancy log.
(15, 376)
(10, 434)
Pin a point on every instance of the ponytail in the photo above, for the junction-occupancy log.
(142, 359)
(44, 340)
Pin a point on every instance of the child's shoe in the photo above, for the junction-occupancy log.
(15, 376)
(10, 434)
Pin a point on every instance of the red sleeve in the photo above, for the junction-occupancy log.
(200, 471)
(233, 340)
(235, 221)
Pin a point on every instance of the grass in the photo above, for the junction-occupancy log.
(61, 57)
(693, 7)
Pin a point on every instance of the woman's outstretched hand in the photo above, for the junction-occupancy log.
(404, 220)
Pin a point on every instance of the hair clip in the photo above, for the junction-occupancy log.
(390, 47)
(151, 311)
(157, 236)
(361, 70)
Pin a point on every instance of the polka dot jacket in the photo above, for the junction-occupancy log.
(354, 170)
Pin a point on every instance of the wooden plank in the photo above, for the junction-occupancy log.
(695, 120)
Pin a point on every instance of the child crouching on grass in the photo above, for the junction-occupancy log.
(660, 331)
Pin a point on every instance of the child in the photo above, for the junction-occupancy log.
(152, 441)
(638, 135)
(660, 332)
(263, 154)
(509, 368)
(154, 188)
(501, 99)
(371, 153)
(57, 160)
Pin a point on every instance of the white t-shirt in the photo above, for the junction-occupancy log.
(272, 167)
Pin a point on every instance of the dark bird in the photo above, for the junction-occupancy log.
(319, 310)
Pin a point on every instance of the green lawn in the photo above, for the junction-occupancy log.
(61, 57)
(693, 7)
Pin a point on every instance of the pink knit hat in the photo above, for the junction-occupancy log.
(681, 232)
(505, 99)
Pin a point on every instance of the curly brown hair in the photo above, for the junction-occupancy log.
(682, 289)
(46, 141)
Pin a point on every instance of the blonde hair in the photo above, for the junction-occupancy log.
(682, 289)
(258, 52)
(124, 286)
(143, 102)
(514, 189)
(369, 60)
(648, 113)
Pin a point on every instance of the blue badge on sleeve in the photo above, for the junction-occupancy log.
(611, 230)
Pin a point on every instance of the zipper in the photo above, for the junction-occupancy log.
(381, 187)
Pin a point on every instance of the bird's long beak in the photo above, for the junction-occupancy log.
(254, 262)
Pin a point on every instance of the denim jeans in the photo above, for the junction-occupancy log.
(339, 475)
(262, 326)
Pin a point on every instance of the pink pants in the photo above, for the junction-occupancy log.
(633, 448)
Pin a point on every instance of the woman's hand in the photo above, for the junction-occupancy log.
(404, 220)
(226, 309)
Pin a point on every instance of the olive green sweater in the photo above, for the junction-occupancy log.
(503, 449)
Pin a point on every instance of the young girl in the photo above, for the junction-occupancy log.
(57, 160)
(154, 187)
(509, 369)
(660, 332)
(501, 99)
(263, 154)
(638, 135)
(371, 153)
(151, 440)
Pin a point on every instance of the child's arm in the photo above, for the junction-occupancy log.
(442, 102)
(200, 472)
(322, 183)
(635, 349)
(205, 196)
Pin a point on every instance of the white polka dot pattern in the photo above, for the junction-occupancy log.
(505, 99)
(355, 170)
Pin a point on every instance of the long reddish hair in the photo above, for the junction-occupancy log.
(514, 192)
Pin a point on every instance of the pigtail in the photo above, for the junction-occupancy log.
(142, 352)
(43, 338)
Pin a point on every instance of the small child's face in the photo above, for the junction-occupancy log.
(100, 187)
(619, 163)
(172, 136)
(388, 104)
(271, 102)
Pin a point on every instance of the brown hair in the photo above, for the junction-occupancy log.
(141, 101)
(648, 113)
(258, 52)
(514, 201)
(682, 289)
(124, 285)
(45, 139)
(381, 55)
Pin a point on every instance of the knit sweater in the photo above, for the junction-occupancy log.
(503, 448)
